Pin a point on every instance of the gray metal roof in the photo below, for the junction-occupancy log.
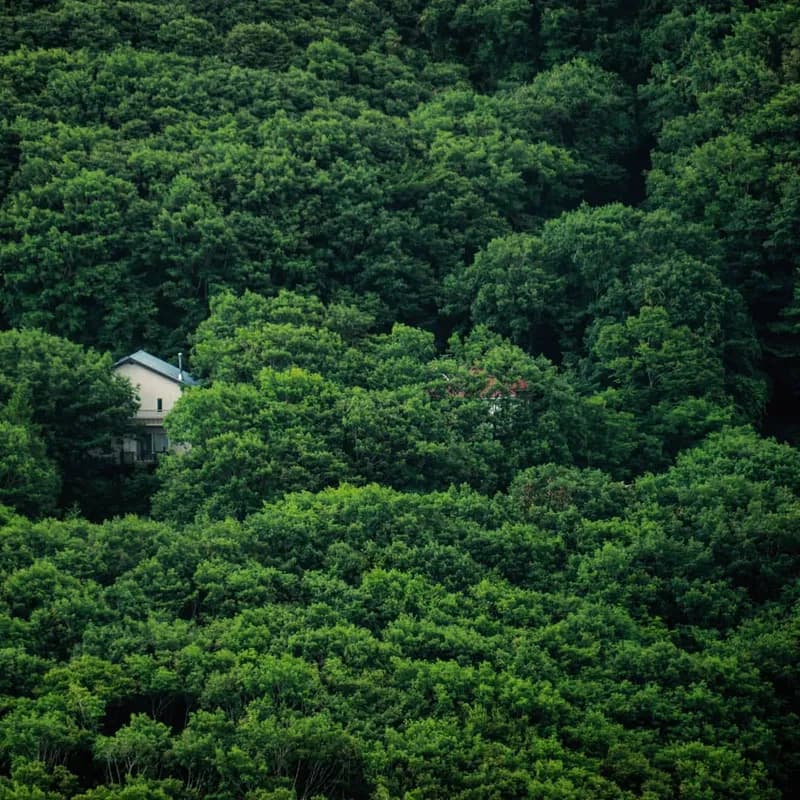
(155, 364)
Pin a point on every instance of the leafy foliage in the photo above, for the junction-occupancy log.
(495, 305)
(64, 407)
(363, 639)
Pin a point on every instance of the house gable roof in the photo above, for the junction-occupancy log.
(158, 366)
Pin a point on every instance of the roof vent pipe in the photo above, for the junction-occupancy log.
(180, 367)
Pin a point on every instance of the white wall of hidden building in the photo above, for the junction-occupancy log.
(151, 387)
(157, 394)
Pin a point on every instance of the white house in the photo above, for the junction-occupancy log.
(159, 384)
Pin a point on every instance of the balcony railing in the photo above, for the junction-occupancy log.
(150, 416)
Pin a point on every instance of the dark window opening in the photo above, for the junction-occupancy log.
(159, 404)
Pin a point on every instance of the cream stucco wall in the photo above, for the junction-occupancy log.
(151, 386)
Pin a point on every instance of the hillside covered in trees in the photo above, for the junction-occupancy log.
(492, 480)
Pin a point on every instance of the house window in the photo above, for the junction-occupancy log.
(160, 442)
(159, 404)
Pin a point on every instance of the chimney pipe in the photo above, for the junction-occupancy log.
(180, 367)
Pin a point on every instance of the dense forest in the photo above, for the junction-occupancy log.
(491, 483)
